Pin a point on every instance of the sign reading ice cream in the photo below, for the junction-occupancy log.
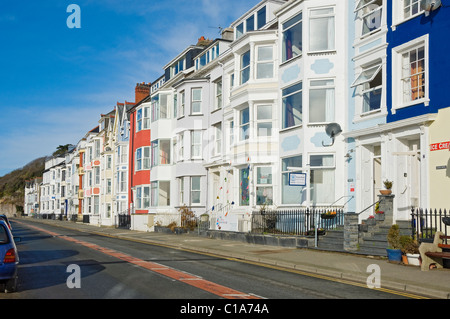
(440, 146)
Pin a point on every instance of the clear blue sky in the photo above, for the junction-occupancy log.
(56, 81)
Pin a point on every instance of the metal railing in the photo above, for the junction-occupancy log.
(426, 222)
(300, 221)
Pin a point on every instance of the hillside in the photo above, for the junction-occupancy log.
(12, 185)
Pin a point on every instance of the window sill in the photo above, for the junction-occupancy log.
(282, 64)
(291, 128)
(400, 21)
(424, 101)
(324, 52)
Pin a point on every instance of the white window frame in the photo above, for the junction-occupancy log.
(196, 145)
(398, 74)
(366, 10)
(330, 46)
(260, 184)
(244, 126)
(218, 89)
(194, 191)
(245, 68)
(181, 102)
(322, 87)
(143, 162)
(197, 102)
(261, 120)
(143, 118)
(362, 82)
(284, 96)
(262, 62)
(287, 25)
(217, 139)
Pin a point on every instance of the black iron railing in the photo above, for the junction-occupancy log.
(300, 221)
(426, 222)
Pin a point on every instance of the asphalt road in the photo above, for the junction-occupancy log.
(58, 263)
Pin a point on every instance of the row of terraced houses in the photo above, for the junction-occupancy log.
(233, 124)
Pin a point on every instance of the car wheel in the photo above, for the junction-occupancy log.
(11, 285)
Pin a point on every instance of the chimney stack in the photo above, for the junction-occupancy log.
(142, 90)
(228, 34)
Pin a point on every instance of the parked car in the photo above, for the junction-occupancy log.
(5, 218)
(9, 259)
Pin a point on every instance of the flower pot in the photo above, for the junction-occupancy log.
(371, 221)
(385, 191)
(379, 217)
(394, 255)
(413, 259)
(405, 259)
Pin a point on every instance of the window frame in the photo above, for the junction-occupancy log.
(284, 51)
(195, 191)
(317, 88)
(259, 185)
(262, 63)
(198, 145)
(398, 93)
(285, 94)
(245, 68)
(197, 102)
(322, 17)
(362, 83)
(243, 125)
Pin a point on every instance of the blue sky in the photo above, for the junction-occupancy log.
(56, 81)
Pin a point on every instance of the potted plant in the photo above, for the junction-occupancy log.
(328, 215)
(410, 249)
(394, 252)
(387, 185)
(371, 220)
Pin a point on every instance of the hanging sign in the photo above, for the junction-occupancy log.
(297, 179)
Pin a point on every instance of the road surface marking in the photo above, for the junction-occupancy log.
(169, 272)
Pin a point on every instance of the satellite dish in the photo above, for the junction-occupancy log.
(332, 130)
(429, 5)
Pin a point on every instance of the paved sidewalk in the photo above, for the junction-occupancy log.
(341, 266)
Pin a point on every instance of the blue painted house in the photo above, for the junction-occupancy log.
(398, 108)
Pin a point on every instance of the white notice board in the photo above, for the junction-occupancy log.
(297, 179)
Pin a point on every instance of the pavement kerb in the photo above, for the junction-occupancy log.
(387, 283)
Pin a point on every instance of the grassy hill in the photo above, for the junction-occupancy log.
(12, 185)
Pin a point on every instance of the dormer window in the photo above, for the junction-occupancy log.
(249, 23)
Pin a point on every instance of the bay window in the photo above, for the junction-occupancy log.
(292, 106)
(143, 158)
(264, 188)
(160, 193)
(195, 190)
(292, 38)
(244, 127)
(196, 101)
(244, 194)
(196, 144)
(264, 120)
(245, 67)
(264, 63)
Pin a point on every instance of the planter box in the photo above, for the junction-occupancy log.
(413, 259)
(379, 217)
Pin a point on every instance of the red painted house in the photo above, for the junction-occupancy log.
(139, 152)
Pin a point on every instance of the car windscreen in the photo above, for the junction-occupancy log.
(4, 239)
